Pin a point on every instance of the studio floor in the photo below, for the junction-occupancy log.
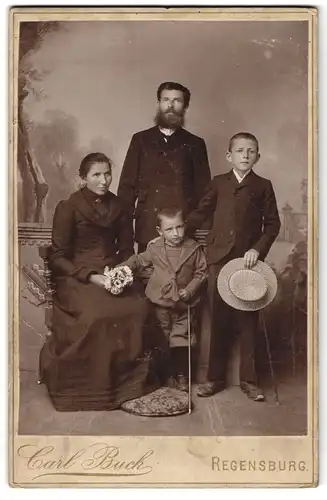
(229, 413)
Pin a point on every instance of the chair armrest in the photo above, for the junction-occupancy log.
(201, 237)
(44, 253)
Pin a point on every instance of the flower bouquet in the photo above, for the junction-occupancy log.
(117, 279)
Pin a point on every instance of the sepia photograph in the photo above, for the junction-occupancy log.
(163, 246)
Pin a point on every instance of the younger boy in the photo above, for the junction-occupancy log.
(245, 224)
(179, 269)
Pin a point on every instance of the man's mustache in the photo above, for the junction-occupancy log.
(173, 112)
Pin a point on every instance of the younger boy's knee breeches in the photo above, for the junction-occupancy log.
(174, 324)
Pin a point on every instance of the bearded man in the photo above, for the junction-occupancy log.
(165, 165)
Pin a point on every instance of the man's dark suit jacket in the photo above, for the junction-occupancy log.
(245, 216)
(157, 175)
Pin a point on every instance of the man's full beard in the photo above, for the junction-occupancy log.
(169, 119)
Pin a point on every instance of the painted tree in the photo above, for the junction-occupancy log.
(34, 187)
(56, 147)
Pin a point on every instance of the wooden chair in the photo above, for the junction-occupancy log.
(39, 278)
(40, 282)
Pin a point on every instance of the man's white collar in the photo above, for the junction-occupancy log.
(167, 131)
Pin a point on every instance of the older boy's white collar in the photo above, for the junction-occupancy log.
(238, 177)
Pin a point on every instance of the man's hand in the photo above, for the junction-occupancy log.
(251, 258)
(184, 294)
(97, 279)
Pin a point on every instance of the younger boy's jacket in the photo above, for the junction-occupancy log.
(165, 282)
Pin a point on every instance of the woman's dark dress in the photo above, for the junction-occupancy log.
(94, 359)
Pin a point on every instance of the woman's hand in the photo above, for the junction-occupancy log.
(97, 279)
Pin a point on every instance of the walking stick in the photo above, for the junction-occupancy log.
(270, 359)
(189, 360)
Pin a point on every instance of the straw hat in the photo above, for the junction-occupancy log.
(247, 289)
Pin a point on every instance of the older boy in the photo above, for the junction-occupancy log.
(245, 224)
(179, 269)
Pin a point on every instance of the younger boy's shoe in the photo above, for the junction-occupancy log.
(252, 391)
(182, 383)
(209, 389)
(171, 382)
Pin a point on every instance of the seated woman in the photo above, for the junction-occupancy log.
(94, 359)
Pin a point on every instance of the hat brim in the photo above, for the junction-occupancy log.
(246, 305)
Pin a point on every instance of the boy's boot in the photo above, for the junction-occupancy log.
(170, 369)
(181, 368)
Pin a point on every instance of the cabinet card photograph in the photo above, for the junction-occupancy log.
(163, 247)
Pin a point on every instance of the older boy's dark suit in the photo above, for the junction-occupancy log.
(245, 216)
(159, 174)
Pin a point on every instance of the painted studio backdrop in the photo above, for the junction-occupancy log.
(89, 86)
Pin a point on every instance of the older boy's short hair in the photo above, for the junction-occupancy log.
(175, 86)
(243, 135)
(169, 212)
